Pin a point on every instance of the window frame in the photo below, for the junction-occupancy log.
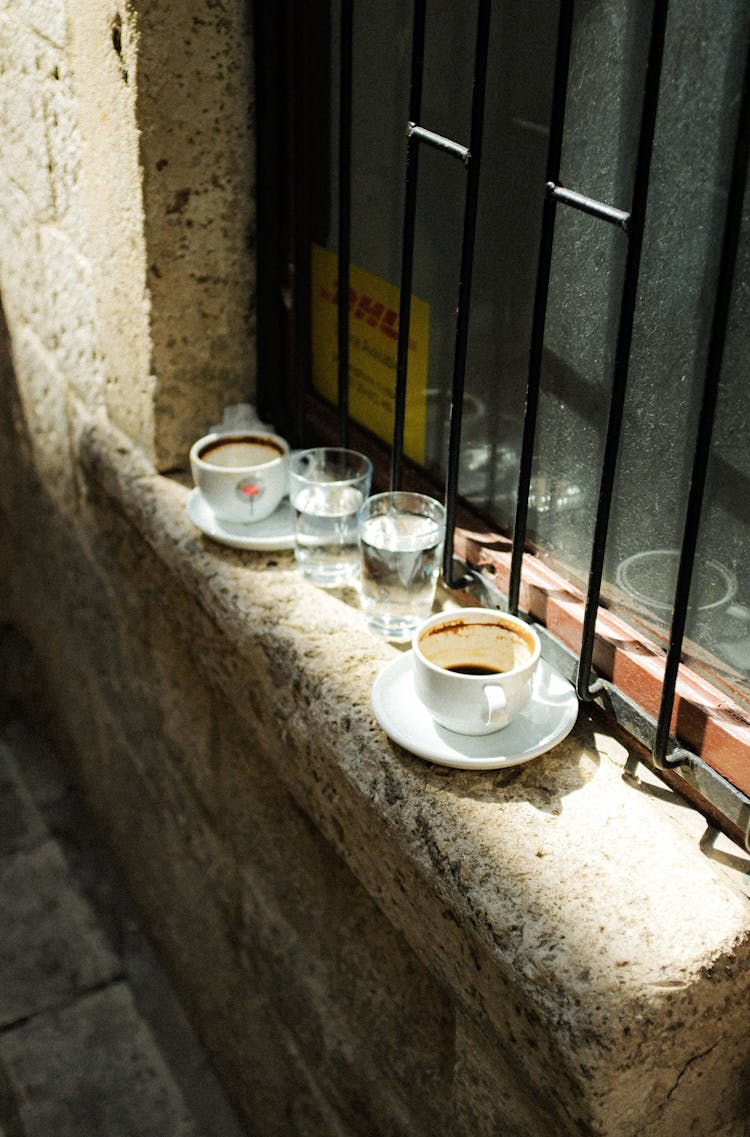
(716, 776)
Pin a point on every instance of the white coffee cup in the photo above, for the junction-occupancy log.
(473, 668)
(242, 475)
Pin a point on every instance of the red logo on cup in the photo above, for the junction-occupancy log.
(249, 490)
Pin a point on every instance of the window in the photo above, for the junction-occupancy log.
(566, 483)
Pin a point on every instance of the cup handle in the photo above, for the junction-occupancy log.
(497, 714)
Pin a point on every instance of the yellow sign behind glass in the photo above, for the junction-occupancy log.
(373, 341)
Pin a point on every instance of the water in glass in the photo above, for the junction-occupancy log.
(401, 556)
(326, 533)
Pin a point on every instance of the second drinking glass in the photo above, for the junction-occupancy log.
(401, 538)
(326, 487)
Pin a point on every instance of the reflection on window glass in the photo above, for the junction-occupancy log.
(693, 148)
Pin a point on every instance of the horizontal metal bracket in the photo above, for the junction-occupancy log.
(439, 142)
(610, 213)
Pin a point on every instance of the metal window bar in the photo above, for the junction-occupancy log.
(407, 241)
(299, 285)
(586, 690)
(345, 213)
(544, 264)
(730, 242)
(632, 223)
(470, 156)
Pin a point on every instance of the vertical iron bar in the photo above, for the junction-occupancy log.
(268, 44)
(622, 352)
(407, 243)
(720, 320)
(464, 293)
(544, 263)
(345, 213)
(299, 284)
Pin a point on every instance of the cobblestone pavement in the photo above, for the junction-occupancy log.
(93, 1042)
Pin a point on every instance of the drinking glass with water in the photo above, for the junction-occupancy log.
(401, 538)
(327, 486)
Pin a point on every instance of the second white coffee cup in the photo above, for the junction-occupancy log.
(242, 475)
(473, 668)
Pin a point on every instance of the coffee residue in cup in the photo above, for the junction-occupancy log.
(241, 451)
(474, 647)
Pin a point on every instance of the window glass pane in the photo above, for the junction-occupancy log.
(724, 538)
(694, 142)
(510, 199)
(700, 90)
(519, 86)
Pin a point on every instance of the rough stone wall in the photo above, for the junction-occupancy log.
(369, 945)
(126, 177)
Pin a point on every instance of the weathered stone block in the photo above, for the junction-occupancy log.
(20, 823)
(44, 399)
(28, 67)
(51, 947)
(308, 931)
(22, 274)
(44, 777)
(492, 1096)
(70, 314)
(93, 1068)
(101, 58)
(199, 203)
(45, 17)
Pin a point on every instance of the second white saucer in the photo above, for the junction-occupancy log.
(546, 720)
(274, 532)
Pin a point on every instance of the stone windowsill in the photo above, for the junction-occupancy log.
(575, 918)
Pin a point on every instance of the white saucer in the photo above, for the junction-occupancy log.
(547, 719)
(274, 532)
